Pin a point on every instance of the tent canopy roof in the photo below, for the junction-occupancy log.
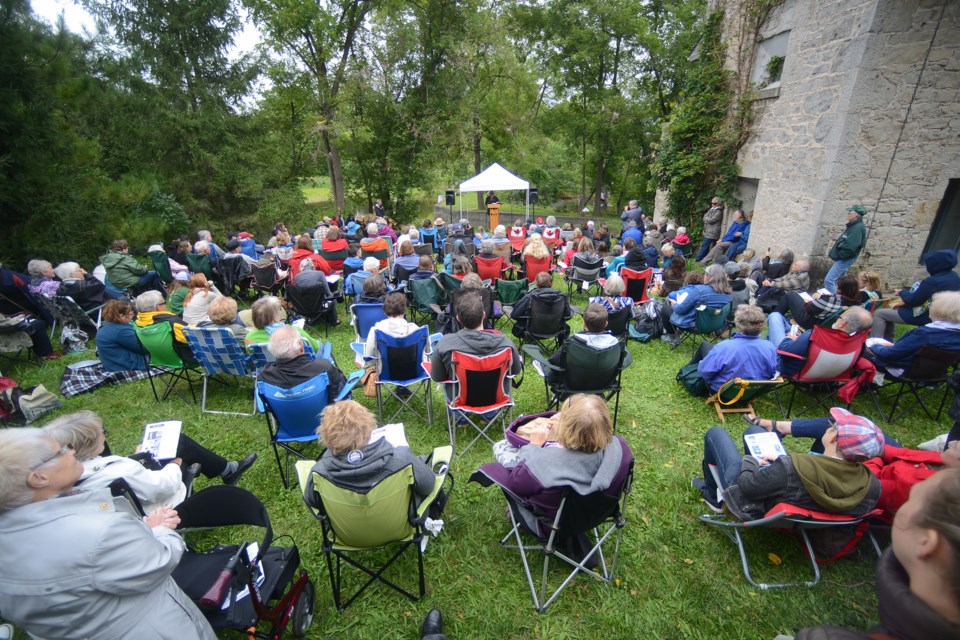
(495, 178)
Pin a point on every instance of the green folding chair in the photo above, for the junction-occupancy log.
(737, 395)
(165, 363)
(426, 299)
(200, 263)
(710, 322)
(161, 265)
(355, 523)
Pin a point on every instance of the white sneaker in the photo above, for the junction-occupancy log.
(6, 631)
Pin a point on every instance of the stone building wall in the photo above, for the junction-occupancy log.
(824, 138)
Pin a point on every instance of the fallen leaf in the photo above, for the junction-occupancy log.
(617, 582)
(633, 592)
(668, 464)
(774, 558)
(688, 561)
(645, 519)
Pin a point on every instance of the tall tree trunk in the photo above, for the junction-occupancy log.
(598, 179)
(476, 157)
(335, 170)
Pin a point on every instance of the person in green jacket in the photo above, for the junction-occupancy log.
(124, 272)
(847, 247)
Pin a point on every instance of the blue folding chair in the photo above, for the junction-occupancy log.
(248, 247)
(293, 415)
(220, 354)
(429, 236)
(401, 365)
(362, 318)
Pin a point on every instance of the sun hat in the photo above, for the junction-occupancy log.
(438, 222)
(858, 438)
(182, 276)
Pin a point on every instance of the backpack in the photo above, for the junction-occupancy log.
(689, 376)
(23, 406)
(649, 321)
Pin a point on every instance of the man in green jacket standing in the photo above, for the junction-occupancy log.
(847, 247)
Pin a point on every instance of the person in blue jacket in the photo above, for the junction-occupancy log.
(940, 265)
(943, 331)
(731, 238)
(118, 347)
(745, 355)
(740, 243)
(851, 321)
(713, 293)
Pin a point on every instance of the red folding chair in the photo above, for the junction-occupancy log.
(790, 517)
(491, 269)
(551, 237)
(636, 283)
(517, 236)
(535, 266)
(481, 394)
(832, 361)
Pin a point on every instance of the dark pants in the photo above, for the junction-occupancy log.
(816, 427)
(701, 352)
(37, 330)
(794, 303)
(705, 247)
(190, 451)
(149, 280)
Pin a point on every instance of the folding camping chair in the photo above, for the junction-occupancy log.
(788, 516)
(200, 263)
(362, 318)
(334, 258)
(830, 363)
(517, 236)
(266, 279)
(476, 395)
(584, 276)
(388, 514)
(618, 322)
(637, 283)
(532, 267)
(402, 365)
(737, 395)
(708, 324)
(293, 415)
(49, 305)
(546, 326)
(313, 303)
(77, 315)
(595, 518)
(449, 283)
(509, 293)
(161, 265)
(426, 298)
(429, 238)
(492, 269)
(220, 354)
(237, 276)
(582, 368)
(165, 363)
(261, 356)
(927, 373)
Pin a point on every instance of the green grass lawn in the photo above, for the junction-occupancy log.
(677, 578)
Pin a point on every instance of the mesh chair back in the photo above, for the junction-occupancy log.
(262, 356)
(490, 268)
(161, 265)
(310, 302)
(297, 410)
(931, 364)
(832, 354)
(218, 351)
(636, 283)
(583, 513)
(423, 249)
(535, 266)
(586, 271)
(467, 245)
(712, 319)
(510, 292)
(403, 274)
(424, 293)
(158, 340)
(401, 359)
(365, 316)
(264, 276)
(449, 282)
(372, 519)
(481, 380)
(589, 369)
(200, 263)
(486, 297)
(517, 236)
(546, 317)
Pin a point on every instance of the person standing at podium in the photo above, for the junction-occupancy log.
(491, 199)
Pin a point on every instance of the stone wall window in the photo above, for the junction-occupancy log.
(771, 56)
(945, 231)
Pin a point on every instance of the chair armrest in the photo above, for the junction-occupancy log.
(627, 360)
(326, 351)
(441, 457)
(534, 352)
(352, 380)
(790, 355)
(304, 468)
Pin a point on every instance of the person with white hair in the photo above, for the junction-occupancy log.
(84, 564)
(943, 332)
(310, 277)
(294, 367)
(374, 243)
(152, 309)
(500, 236)
(268, 316)
(86, 290)
(175, 267)
(215, 251)
(384, 230)
(42, 281)
(354, 283)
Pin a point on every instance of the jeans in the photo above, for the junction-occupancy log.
(777, 327)
(705, 247)
(838, 269)
(150, 280)
(719, 450)
(816, 427)
(736, 249)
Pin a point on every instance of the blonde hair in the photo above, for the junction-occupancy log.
(222, 311)
(585, 424)
(536, 248)
(345, 426)
(870, 280)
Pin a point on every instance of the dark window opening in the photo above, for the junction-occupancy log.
(945, 231)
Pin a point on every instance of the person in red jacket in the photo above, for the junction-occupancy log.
(304, 249)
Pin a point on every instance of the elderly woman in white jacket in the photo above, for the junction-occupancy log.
(82, 564)
(84, 433)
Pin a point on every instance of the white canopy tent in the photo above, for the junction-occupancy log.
(496, 178)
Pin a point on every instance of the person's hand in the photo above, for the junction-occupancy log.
(177, 461)
(539, 436)
(898, 292)
(139, 448)
(767, 283)
(736, 234)
(162, 517)
(766, 459)
(951, 455)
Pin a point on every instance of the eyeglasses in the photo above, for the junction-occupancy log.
(65, 449)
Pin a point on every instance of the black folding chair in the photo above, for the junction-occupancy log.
(927, 373)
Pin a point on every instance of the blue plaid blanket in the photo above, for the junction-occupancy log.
(82, 379)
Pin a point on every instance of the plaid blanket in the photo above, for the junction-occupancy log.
(82, 379)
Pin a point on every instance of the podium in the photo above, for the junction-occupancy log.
(493, 216)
